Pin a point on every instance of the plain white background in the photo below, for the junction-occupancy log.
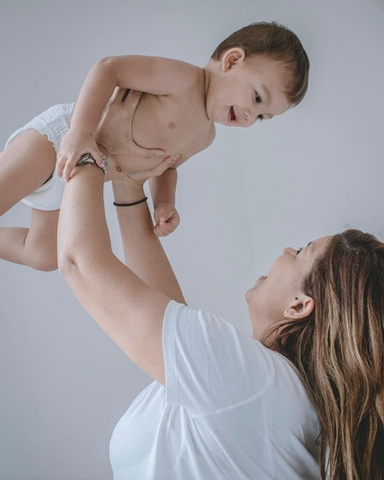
(311, 172)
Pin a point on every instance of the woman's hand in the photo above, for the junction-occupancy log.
(73, 145)
(142, 176)
(166, 218)
(114, 130)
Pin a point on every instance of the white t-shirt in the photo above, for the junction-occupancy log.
(231, 409)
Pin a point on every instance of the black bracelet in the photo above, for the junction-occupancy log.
(130, 204)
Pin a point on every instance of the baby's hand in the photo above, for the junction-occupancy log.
(167, 219)
(73, 145)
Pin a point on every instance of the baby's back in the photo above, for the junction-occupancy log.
(177, 123)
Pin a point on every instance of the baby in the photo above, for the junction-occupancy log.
(258, 72)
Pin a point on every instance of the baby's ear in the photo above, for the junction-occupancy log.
(232, 57)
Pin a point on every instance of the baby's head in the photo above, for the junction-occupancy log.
(258, 72)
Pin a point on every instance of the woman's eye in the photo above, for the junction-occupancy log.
(257, 98)
(299, 250)
(260, 117)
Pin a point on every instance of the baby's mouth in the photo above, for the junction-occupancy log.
(231, 115)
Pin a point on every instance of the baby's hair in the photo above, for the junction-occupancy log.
(277, 42)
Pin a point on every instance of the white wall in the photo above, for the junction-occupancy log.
(308, 173)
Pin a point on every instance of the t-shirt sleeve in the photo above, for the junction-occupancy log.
(209, 364)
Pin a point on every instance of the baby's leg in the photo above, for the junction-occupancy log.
(35, 246)
(25, 165)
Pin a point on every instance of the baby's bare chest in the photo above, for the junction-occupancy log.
(178, 125)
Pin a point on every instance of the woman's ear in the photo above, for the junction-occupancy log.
(300, 308)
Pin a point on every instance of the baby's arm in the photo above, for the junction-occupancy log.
(163, 193)
(155, 75)
(163, 188)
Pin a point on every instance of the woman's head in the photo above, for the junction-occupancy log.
(338, 348)
(280, 294)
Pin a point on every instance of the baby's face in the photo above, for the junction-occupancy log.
(243, 90)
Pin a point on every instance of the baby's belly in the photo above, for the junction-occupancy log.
(155, 124)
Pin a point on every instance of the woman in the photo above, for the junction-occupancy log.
(305, 389)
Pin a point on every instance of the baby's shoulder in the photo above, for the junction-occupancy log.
(191, 83)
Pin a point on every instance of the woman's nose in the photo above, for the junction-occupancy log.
(289, 250)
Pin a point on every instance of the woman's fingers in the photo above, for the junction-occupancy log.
(142, 176)
(60, 165)
(67, 170)
(134, 97)
(150, 152)
(133, 100)
(65, 166)
(164, 165)
(98, 156)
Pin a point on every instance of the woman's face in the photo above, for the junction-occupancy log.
(279, 295)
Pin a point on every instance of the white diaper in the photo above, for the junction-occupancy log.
(54, 123)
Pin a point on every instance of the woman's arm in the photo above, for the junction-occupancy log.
(129, 310)
(143, 251)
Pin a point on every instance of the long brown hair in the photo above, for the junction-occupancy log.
(278, 43)
(339, 353)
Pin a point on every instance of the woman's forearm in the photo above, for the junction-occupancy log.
(143, 252)
(94, 95)
(83, 236)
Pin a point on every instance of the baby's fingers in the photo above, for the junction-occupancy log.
(162, 230)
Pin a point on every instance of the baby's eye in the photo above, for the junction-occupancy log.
(260, 117)
(299, 250)
(257, 98)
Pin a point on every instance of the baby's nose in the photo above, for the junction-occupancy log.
(247, 115)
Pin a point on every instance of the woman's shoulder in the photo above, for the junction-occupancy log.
(202, 349)
(224, 337)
